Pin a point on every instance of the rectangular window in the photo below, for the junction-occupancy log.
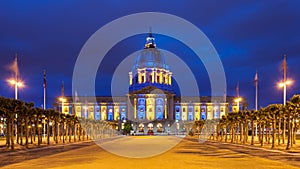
(143, 79)
(177, 113)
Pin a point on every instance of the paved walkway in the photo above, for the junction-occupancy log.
(187, 154)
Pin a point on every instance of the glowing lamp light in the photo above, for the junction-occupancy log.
(62, 99)
(284, 85)
(14, 82)
(239, 99)
(287, 82)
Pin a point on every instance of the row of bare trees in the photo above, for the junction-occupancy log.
(32, 125)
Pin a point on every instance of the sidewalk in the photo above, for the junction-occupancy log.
(34, 147)
(295, 150)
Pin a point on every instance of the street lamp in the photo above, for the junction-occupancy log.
(238, 100)
(62, 103)
(16, 84)
(283, 85)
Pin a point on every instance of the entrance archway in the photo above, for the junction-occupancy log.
(150, 127)
(141, 127)
(159, 127)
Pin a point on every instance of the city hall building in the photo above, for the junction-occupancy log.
(151, 104)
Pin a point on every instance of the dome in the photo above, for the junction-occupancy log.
(150, 56)
(150, 70)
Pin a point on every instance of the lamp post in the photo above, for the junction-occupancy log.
(283, 85)
(16, 84)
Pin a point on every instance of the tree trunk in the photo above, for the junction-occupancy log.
(56, 132)
(225, 133)
(79, 133)
(48, 131)
(12, 130)
(236, 134)
(66, 132)
(267, 134)
(294, 133)
(39, 135)
(222, 132)
(83, 134)
(252, 132)
(241, 126)
(63, 132)
(284, 130)
(289, 133)
(31, 142)
(262, 135)
(17, 132)
(218, 130)
(232, 133)
(34, 131)
(70, 129)
(259, 135)
(74, 133)
(21, 134)
(26, 131)
(8, 132)
(279, 130)
(274, 131)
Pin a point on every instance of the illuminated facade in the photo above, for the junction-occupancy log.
(151, 104)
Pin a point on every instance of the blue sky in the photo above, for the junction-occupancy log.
(248, 36)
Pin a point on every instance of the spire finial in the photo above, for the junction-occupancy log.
(150, 40)
(150, 31)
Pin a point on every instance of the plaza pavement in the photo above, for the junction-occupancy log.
(187, 154)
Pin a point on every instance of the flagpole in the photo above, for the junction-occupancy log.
(256, 98)
(44, 89)
(284, 80)
(238, 96)
(16, 94)
(238, 89)
(256, 91)
(44, 86)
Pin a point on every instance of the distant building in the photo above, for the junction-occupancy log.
(151, 104)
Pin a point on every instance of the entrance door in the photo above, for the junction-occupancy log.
(159, 127)
(141, 127)
(150, 129)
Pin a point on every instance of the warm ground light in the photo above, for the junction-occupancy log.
(187, 154)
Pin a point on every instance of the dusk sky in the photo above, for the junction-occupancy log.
(248, 36)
